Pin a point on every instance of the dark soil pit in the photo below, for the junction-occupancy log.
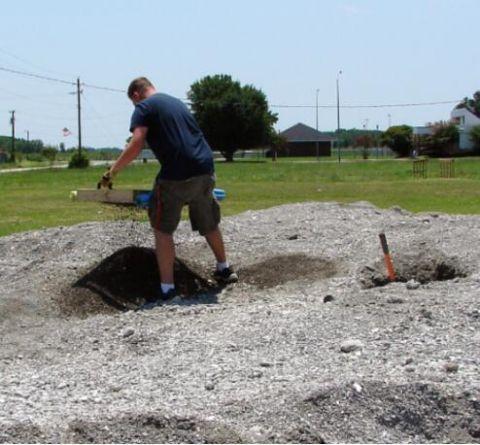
(418, 412)
(124, 281)
(424, 266)
(284, 268)
(150, 428)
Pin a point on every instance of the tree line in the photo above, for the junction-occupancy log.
(238, 117)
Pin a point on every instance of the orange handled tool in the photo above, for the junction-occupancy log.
(388, 258)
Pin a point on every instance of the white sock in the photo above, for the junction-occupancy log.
(167, 286)
(221, 266)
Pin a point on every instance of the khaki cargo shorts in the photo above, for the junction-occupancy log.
(169, 198)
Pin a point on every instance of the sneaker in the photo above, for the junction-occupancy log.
(161, 298)
(225, 276)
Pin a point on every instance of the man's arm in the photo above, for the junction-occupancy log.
(131, 151)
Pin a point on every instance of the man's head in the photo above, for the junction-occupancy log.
(139, 89)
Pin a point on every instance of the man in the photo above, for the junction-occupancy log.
(186, 177)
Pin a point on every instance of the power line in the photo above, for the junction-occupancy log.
(418, 104)
(27, 62)
(96, 87)
(37, 76)
(118, 90)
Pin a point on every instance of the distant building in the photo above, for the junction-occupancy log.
(146, 154)
(422, 131)
(465, 118)
(303, 140)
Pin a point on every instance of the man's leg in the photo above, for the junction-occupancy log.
(215, 241)
(165, 250)
(223, 272)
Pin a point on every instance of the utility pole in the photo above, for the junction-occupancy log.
(79, 111)
(12, 121)
(389, 120)
(316, 118)
(338, 115)
(28, 135)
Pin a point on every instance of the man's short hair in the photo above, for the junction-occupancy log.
(139, 85)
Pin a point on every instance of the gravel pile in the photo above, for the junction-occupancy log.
(313, 344)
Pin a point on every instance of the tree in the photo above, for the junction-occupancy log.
(364, 142)
(443, 140)
(49, 153)
(279, 145)
(399, 139)
(472, 104)
(231, 116)
(62, 147)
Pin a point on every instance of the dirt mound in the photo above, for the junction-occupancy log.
(419, 412)
(284, 268)
(124, 281)
(423, 266)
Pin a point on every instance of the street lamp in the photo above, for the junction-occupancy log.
(338, 115)
(316, 119)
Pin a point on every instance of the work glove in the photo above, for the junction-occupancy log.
(106, 181)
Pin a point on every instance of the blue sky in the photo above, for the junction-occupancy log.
(390, 52)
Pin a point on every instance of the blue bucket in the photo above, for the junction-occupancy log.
(219, 194)
(143, 199)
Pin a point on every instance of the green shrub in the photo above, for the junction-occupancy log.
(79, 160)
(49, 153)
(399, 139)
(35, 157)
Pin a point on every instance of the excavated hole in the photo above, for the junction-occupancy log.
(424, 267)
(284, 268)
(126, 280)
(395, 413)
(150, 428)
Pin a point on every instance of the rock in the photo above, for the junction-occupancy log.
(293, 237)
(408, 361)
(62, 385)
(328, 298)
(395, 300)
(209, 386)
(357, 387)
(128, 332)
(474, 430)
(351, 345)
(451, 367)
(426, 314)
(256, 374)
(412, 285)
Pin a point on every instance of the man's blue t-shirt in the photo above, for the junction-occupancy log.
(174, 137)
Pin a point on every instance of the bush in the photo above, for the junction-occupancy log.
(364, 142)
(79, 160)
(49, 153)
(442, 142)
(35, 157)
(399, 139)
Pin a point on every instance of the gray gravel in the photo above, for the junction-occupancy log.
(260, 361)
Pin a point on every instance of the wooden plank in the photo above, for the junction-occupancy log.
(126, 197)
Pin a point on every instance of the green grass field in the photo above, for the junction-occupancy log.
(39, 199)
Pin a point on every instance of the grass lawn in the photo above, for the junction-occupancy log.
(38, 199)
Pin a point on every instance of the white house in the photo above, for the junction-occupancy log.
(465, 119)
